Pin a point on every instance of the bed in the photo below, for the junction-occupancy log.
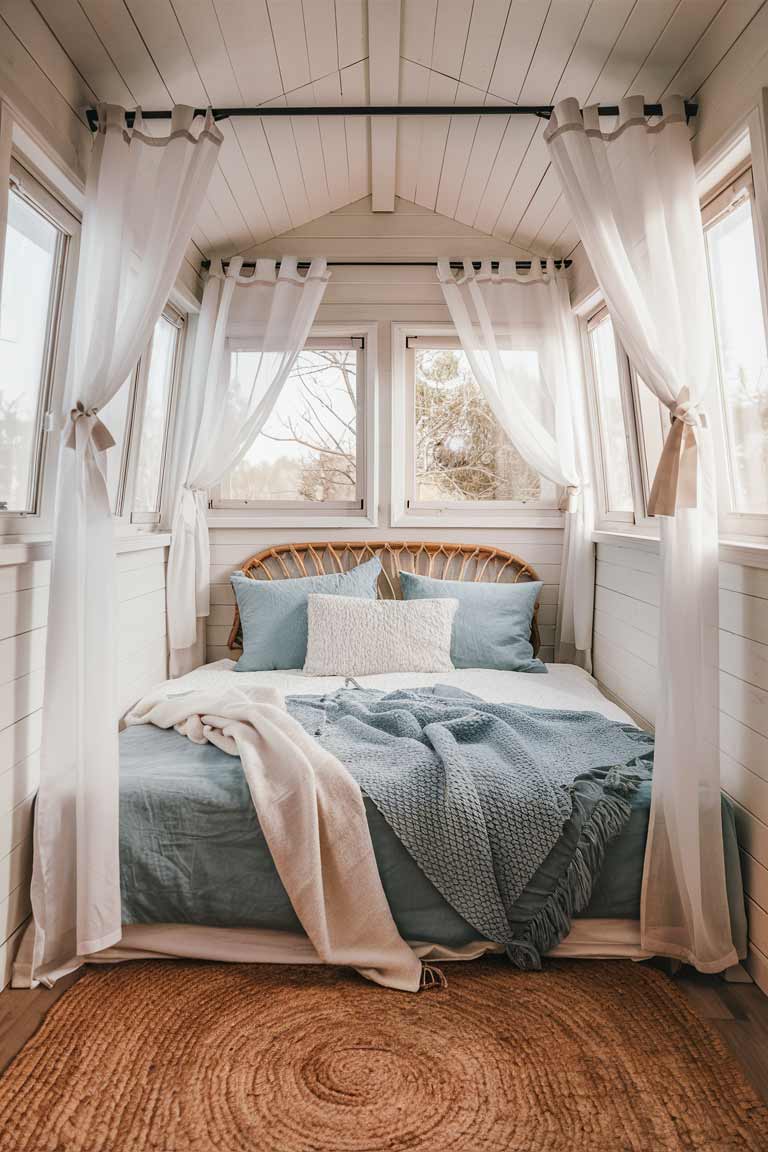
(197, 877)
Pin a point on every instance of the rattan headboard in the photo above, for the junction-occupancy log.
(470, 562)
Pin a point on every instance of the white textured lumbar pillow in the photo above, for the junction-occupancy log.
(349, 636)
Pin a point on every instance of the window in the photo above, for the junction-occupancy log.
(741, 343)
(117, 415)
(614, 456)
(652, 422)
(138, 416)
(458, 454)
(630, 425)
(163, 358)
(308, 457)
(35, 253)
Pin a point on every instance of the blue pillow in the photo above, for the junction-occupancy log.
(273, 613)
(492, 625)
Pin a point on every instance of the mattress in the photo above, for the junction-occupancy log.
(192, 851)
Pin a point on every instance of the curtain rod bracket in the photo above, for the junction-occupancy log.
(542, 111)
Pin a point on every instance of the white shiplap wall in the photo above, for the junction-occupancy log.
(381, 295)
(23, 613)
(626, 631)
(24, 589)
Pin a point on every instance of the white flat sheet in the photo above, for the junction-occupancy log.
(563, 686)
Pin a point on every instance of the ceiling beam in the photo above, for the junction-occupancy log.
(384, 78)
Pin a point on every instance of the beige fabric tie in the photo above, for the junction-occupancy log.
(100, 435)
(676, 480)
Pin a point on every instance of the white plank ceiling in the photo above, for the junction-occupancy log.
(489, 173)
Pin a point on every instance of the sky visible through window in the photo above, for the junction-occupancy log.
(612, 433)
(146, 496)
(30, 255)
(742, 347)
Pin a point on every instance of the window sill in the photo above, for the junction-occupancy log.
(519, 518)
(750, 553)
(627, 537)
(26, 549)
(219, 518)
(137, 541)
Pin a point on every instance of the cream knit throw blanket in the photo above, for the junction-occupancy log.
(312, 815)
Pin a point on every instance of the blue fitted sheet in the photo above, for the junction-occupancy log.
(192, 851)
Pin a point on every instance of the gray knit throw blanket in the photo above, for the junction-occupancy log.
(479, 795)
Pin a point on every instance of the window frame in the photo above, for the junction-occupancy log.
(38, 517)
(123, 514)
(363, 511)
(124, 496)
(635, 432)
(725, 197)
(606, 515)
(639, 465)
(178, 319)
(720, 199)
(406, 510)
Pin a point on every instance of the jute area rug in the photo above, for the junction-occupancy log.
(201, 1057)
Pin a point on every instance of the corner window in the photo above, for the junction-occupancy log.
(607, 364)
(162, 361)
(35, 252)
(628, 426)
(138, 416)
(118, 417)
(739, 315)
(458, 456)
(308, 457)
(652, 422)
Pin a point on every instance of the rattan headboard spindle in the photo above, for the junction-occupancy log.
(470, 562)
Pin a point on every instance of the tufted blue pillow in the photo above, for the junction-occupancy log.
(492, 626)
(273, 613)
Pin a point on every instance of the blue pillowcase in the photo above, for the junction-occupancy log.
(492, 626)
(273, 613)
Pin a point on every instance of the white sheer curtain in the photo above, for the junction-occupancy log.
(633, 196)
(143, 194)
(6, 134)
(270, 315)
(538, 402)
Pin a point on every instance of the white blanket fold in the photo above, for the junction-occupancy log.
(313, 819)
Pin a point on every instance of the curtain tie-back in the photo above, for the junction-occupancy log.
(570, 498)
(99, 433)
(191, 504)
(676, 481)
(688, 411)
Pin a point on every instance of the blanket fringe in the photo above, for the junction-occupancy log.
(432, 977)
(574, 889)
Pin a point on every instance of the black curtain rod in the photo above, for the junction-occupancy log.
(397, 263)
(542, 110)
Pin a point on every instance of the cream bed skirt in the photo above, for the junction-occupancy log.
(588, 939)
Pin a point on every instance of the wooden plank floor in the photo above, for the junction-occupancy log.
(22, 1012)
(739, 1012)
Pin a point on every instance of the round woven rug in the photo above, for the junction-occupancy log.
(176, 1056)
